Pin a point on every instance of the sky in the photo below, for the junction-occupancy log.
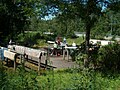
(50, 17)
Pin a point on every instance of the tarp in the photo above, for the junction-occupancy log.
(2, 52)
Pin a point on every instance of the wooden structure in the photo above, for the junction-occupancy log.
(11, 56)
(26, 53)
(67, 49)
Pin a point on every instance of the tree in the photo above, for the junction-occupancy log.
(114, 5)
(87, 10)
(15, 16)
(114, 9)
(108, 24)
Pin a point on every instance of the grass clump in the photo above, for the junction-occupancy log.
(78, 41)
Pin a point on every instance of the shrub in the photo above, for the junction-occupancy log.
(109, 57)
(3, 78)
(28, 39)
(19, 80)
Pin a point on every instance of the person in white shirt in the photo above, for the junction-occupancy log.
(55, 46)
(74, 44)
(10, 42)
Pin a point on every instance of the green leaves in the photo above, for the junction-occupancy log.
(15, 17)
(109, 57)
(3, 78)
(108, 24)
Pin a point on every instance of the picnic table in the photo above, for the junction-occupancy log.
(68, 49)
(50, 42)
(50, 48)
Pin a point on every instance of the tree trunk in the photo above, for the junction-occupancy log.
(87, 38)
(88, 23)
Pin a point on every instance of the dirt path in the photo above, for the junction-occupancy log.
(59, 63)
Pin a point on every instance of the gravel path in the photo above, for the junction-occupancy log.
(59, 63)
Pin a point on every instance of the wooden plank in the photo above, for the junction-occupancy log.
(67, 54)
(15, 63)
(10, 47)
(9, 54)
(29, 52)
(20, 49)
(39, 61)
(64, 54)
(25, 50)
(32, 52)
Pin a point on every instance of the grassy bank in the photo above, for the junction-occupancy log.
(79, 81)
(68, 79)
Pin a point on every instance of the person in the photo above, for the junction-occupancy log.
(64, 40)
(58, 42)
(55, 46)
(10, 42)
(74, 44)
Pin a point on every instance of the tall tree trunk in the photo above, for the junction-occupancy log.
(88, 28)
(88, 23)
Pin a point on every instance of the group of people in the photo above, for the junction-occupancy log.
(59, 45)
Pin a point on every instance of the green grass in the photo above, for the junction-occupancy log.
(78, 41)
(78, 81)
(42, 43)
(69, 79)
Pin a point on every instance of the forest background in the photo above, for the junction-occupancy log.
(24, 22)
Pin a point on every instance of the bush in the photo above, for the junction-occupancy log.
(3, 78)
(22, 80)
(109, 57)
(31, 38)
(70, 79)
(28, 39)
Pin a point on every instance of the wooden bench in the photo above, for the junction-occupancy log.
(11, 56)
(29, 52)
(36, 54)
(20, 50)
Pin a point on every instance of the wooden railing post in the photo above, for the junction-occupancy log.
(23, 61)
(39, 61)
(46, 63)
(6, 59)
(67, 54)
(20, 58)
(63, 54)
(15, 62)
